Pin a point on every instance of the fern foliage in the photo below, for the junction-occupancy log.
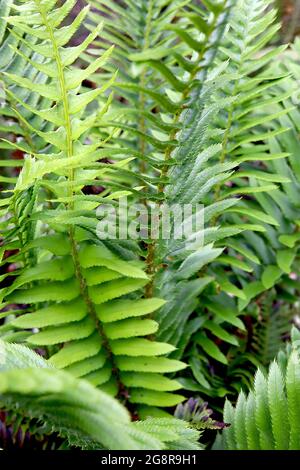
(76, 410)
(74, 285)
(221, 159)
(158, 50)
(268, 417)
(164, 103)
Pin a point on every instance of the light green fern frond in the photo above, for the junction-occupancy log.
(78, 293)
(78, 411)
(268, 417)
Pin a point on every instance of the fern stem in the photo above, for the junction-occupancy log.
(27, 135)
(63, 89)
(19, 235)
(226, 136)
(150, 269)
(142, 127)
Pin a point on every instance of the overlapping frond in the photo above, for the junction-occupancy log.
(159, 48)
(83, 415)
(217, 166)
(166, 103)
(268, 417)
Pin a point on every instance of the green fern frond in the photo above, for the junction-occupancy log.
(272, 327)
(82, 414)
(88, 283)
(152, 83)
(247, 227)
(163, 103)
(269, 414)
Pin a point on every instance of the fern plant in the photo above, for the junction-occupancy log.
(274, 311)
(82, 305)
(76, 410)
(268, 417)
(215, 100)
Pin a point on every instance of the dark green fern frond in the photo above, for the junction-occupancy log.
(159, 51)
(183, 108)
(215, 165)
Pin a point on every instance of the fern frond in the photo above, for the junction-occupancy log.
(82, 414)
(272, 327)
(271, 411)
(77, 289)
(153, 83)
